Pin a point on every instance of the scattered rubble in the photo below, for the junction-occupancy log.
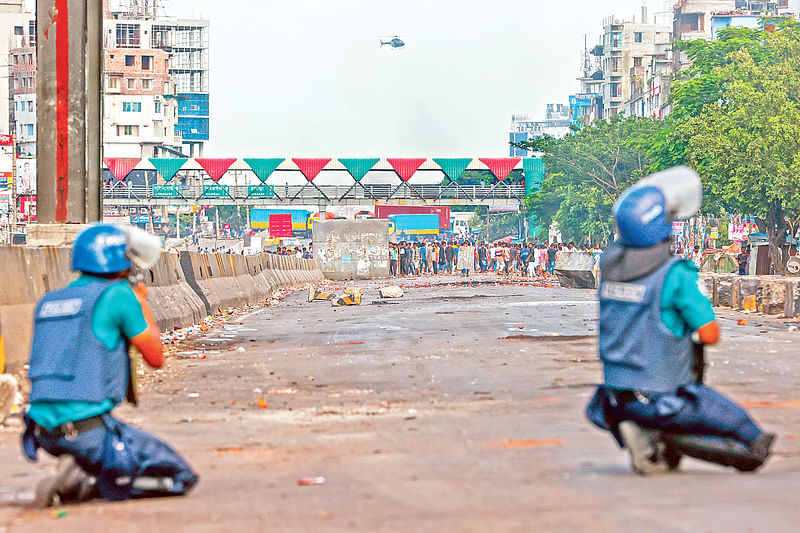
(392, 291)
(350, 297)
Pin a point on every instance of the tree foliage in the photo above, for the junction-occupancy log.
(587, 171)
(736, 119)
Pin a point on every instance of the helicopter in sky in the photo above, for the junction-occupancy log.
(395, 42)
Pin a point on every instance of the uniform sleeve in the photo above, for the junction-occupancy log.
(684, 294)
(124, 310)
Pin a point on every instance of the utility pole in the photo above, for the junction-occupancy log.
(69, 56)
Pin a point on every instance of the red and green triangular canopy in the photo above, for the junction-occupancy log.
(120, 167)
(501, 167)
(310, 167)
(453, 167)
(168, 167)
(406, 167)
(216, 167)
(358, 168)
(264, 168)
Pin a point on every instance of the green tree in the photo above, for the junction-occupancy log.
(737, 121)
(587, 171)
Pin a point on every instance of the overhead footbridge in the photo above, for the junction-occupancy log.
(133, 182)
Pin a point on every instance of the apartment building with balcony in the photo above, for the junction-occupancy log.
(185, 42)
(627, 47)
(140, 105)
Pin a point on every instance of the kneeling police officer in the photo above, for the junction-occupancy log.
(654, 319)
(80, 370)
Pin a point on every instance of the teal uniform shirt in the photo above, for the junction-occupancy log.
(117, 316)
(684, 305)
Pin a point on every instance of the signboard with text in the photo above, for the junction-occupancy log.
(260, 191)
(216, 191)
(280, 225)
(166, 191)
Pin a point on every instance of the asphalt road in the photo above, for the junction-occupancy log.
(455, 408)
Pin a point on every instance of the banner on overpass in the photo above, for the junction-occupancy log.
(263, 168)
(120, 167)
(167, 167)
(453, 168)
(358, 168)
(310, 167)
(216, 168)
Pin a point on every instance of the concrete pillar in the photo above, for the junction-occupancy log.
(69, 129)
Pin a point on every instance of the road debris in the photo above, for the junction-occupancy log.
(308, 481)
(392, 291)
(512, 444)
(350, 297)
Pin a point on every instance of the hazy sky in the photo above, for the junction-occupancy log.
(308, 77)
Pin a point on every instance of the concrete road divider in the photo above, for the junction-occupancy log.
(771, 295)
(575, 270)
(184, 287)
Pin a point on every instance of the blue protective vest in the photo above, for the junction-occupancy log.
(68, 361)
(637, 349)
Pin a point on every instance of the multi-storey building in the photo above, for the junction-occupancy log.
(692, 20)
(22, 88)
(523, 128)
(650, 81)
(627, 47)
(16, 26)
(139, 26)
(140, 109)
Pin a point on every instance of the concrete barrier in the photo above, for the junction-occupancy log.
(184, 287)
(772, 295)
(352, 249)
(575, 270)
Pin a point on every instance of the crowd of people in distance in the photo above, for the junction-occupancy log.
(462, 257)
(300, 253)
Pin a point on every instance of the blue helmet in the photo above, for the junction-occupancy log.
(642, 217)
(100, 249)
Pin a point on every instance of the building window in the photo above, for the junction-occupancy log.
(127, 131)
(32, 33)
(18, 30)
(158, 108)
(637, 61)
(24, 82)
(22, 106)
(147, 62)
(616, 39)
(128, 35)
(16, 59)
(113, 83)
(638, 37)
(130, 61)
(131, 107)
(29, 128)
(147, 84)
(131, 83)
(194, 107)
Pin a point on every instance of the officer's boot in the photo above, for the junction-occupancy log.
(645, 448)
(70, 484)
(723, 451)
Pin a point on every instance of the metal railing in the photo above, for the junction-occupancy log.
(312, 193)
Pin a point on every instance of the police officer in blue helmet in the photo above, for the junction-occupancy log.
(654, 320)
(80, 370)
